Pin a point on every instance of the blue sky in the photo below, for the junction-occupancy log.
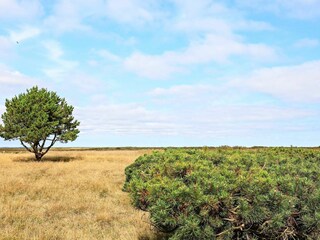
(170, 72)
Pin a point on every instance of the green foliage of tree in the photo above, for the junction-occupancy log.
(38, 118)
(229, 193)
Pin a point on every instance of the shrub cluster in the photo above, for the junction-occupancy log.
(269, 193)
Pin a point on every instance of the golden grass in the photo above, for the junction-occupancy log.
(70, 195)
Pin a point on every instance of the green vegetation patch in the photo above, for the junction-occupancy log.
(269, 193)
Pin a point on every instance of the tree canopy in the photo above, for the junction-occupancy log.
(38, 118)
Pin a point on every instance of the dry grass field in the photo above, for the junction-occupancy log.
(70, 195)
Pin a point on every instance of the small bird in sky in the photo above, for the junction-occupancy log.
(17, 42)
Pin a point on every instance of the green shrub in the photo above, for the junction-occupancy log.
(229, 194)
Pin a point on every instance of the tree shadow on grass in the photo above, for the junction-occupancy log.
(48, 159)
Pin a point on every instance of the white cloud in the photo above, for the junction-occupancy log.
(194, 96)
(122, 119)
(307, 42)
(84, 82)
(253, 25)
(70, 15)
(185, 92)
(293, 83)
(62, 66)
(24, 33)
(189, 15)
(130, 11)
(13, 77)
(206, 121)
(153, 67)
(213, 48)
(13, 82)
(211, 16)
(77, 14)
(6, 47)
(242, 120)
(185, 99)
(304, 9)
(301, 9)
(67, 71)
(247, 113)
(214, 25)
(58, 73)
(20, 9)
(8, 43)
(109, 56)
(54, 49)
(236, 120)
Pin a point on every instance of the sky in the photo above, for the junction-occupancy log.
(170, 72)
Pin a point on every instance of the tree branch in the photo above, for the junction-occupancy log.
(42, 145)
(25, 146)
(34, 148)
(52, 143)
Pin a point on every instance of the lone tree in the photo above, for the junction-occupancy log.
(38, 118)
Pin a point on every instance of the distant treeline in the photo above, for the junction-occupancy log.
(20, 149)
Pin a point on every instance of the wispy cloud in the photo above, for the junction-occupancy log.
(212, 32)
(62, 66)
(213, 48)
(13, 77)
(307, 43)
(108, 56)
(292, 83)
(212, 17)
(211, 121)
(54, 49)
(24, 33)
(137, 11)
(20, 10)
(183, 90)
(300, 9)
(85, 83)
(153, 67)
(13, 82)
(71, 15)
(123, 119)
(78, 15)
(6, 47)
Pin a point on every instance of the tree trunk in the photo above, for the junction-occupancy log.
(38, 156)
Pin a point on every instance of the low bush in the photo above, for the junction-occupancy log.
(269, 193)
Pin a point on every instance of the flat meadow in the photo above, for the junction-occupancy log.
(69, 195)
